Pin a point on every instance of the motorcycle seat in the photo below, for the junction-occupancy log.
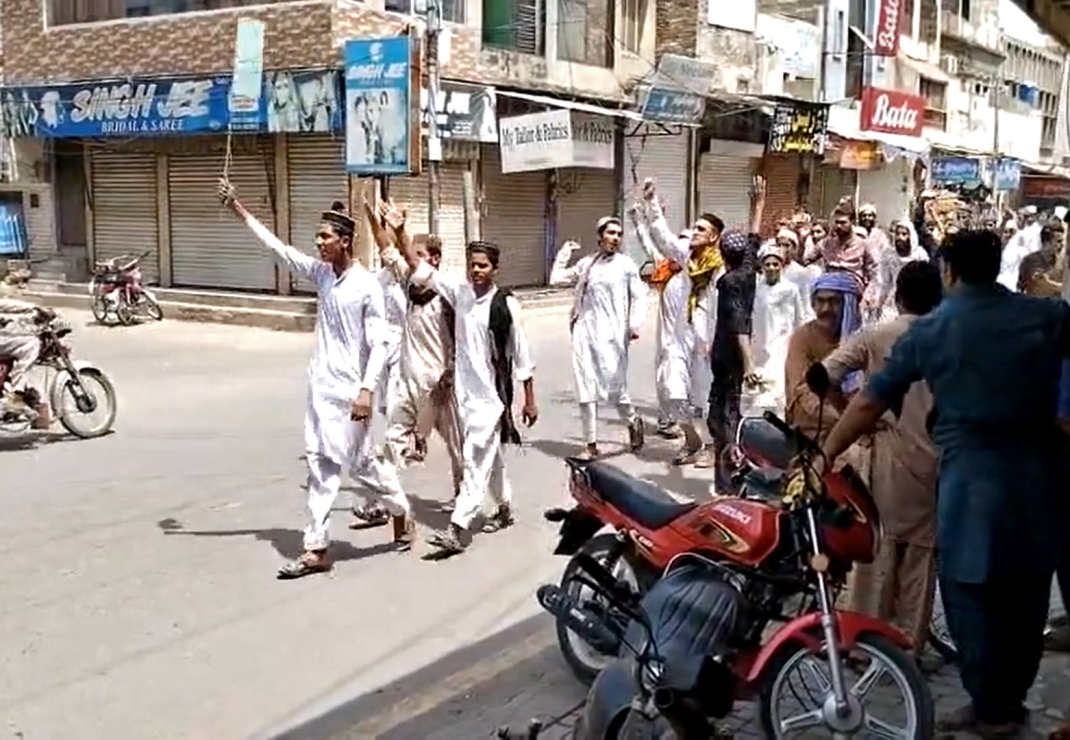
(764, 444)
(644, 502)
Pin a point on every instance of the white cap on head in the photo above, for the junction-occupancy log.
(770, 249)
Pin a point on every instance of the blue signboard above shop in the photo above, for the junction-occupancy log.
(956, 171)
(293, 101)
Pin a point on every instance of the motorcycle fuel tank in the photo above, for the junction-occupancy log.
(745, 531)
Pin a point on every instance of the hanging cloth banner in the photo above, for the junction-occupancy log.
(246, 87)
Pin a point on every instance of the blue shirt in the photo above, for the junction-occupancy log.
(992, 359)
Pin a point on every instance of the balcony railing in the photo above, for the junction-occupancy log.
(982, 35)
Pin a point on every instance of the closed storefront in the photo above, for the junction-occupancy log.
(413, 193)
(210, 249)
(887, 188)
(725, 178)
(123, 203)
(514, 218)
(832, 184)
(583, 197)
(782, 176)
(317, 177)
(661, 153)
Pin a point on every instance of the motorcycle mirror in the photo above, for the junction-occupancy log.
(818, 380)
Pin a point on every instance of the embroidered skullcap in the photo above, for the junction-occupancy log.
(734, 244)
(789, 235)
(770, 249)
(338, 217)
(606, 221)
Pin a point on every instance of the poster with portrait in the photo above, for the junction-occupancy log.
(302, 101)
(378, 107)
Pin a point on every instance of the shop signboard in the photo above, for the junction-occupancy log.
(13, 242)
(886, 35)
(860, 155)
(678, 91)
(379, 92)
(464, 112)
(956, 171)
(292, 101)
(1008, 174)
(556, 139)
(799, 128)
(892, 112)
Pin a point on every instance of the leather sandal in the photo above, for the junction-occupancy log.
(309, 562)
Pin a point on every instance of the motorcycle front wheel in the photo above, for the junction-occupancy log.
(152, 307)
(888, 698)
(584, 659)
(99, 307)
(86, 407)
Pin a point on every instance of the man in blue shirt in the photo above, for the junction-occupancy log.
(992, 359)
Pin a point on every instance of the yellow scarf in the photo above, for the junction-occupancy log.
(701, 270)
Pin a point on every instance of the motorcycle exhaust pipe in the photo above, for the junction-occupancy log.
(564, 608)
(664, 698)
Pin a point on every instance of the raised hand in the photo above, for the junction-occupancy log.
(395, 217)
(228, 194)
(650, 190)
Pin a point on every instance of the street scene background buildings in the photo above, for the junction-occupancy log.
(116, 120)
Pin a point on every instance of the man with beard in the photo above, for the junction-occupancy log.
(1037, 273)
(900, 465)
(845, 251)
(992, 360)
(607, 311)
(904, 249)
(835, 304)
(778, 312)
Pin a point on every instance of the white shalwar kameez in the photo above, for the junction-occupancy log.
(665, 410)
(425, 368)
(609, 304)
(802, 277)
(479, 409)
(1021, 245)
(778, 312)
(396, 304)
(683, 355)
(351, 347)
(891, 263)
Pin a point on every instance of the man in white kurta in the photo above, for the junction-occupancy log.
(608, 309)
(346, 367)
(778, 312)
(686, 316)
(903, 248)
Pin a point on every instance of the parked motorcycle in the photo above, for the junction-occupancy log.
(784, 555)
(116, 289)
(78, 391)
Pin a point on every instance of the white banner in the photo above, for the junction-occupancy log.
(555, 139)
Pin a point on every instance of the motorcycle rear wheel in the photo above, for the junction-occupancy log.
(583, 659)
(125, 313)
(64, 402)
(896, 663)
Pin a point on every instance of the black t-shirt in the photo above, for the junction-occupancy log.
(735, 306)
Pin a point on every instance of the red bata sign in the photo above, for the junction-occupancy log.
(886, 37)
(892, 112)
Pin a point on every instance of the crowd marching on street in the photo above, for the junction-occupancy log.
(945, 336)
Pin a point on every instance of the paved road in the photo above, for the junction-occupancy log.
(138, 580)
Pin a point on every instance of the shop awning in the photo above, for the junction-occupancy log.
(929, 71)
(1052, 170)
(597, 110)
(906, 143)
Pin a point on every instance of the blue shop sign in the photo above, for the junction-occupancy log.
(1008, 174)
(380, 114)
(293, 101)
(671, 106)
(956, 170)
(13, 242)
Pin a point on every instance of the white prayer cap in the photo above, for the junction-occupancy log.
(868, 208)
(604, 222)
(770, 249)
(1029, 211)
(789, 235)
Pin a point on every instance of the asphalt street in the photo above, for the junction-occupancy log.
(139, 588)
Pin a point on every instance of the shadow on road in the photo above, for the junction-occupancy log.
(506, 680)
(289, 543)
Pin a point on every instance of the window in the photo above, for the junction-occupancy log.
(585, 32)
(66, 12)
(906, 26)
(633, 15)
(452, 10)
(935, 94)
(519, 25)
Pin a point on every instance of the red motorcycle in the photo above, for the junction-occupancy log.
(785, 544)
(116, 289)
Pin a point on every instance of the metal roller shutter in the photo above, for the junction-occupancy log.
(835, 184)
(414, 193)
(124, 209)
(515, 220)
(724, 189)
(782, 181)
(317, 178)
(584, 196)
(210, 248)
(654, 152)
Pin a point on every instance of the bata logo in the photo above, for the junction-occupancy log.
(899, 117)
(888, 30)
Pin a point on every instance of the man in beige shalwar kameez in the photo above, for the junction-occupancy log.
(901, 466)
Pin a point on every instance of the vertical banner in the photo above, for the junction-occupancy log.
(886, 36)
(378, 107)
(247, 85)
(416, 114)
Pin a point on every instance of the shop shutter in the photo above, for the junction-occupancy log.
(584, 196)
(124, 209)
(413, 193)
(782, 181)
(835, 184)
(654, 152)
(211, 248)
(317, 178)
(887, 189)
(724, 184)
(515, 219)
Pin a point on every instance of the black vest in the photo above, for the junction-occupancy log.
(501, 327)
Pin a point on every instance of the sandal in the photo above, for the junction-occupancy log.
(502, 519)
(404, 533)
(309, 562)
(369, 517)
(447, 543)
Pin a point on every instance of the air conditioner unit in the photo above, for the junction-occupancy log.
(949, 63)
